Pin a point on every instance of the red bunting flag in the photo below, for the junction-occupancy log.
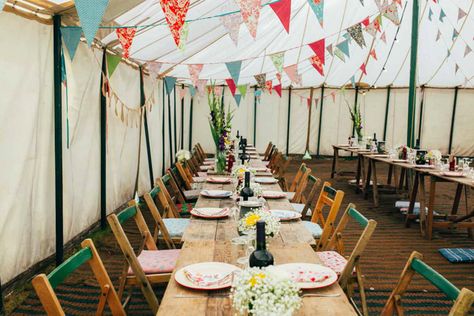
(278, 76)
(231, 85)
(363, 68)
(125, 36)
(319, 59)
(277, 88)
(308, 102)
(373, 54)
(175, 12)
(269, 85)
(366, 21)
(282, 9)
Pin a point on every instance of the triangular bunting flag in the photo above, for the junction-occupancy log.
(318, 49)
(218, 90)
(461, 14)
(353, 82)
(442, 15)
(339, 54)
(383, 37)
(71, 37)
(194, 71)
(347, 36)
(278, 60)
(366, 21)
(242, 89)
(175, 13)
(258, 93)
(362, 2)
(90, 14)
(278, 76)
(154, 68)
(231, 85)
(467, 50)
(183, 36)
(317, 64)
(456, 68)
(373, 54)
(201, 86)
(192, 91)
(277, 89)
(231, 23)
(399, 2)
(282, 9)
(329, 49)
(292, 73)
(430, 14)
(237, 98)
(112, 63)
(182, 93)
(269, 86)
(455, 34)
(169, 84)
(125, 36)
(250, 10)
(261, 79)
(308, 102)
(391, 13)
(234, 69)
(363, 68)
(344, 47)
(318, 8)
(438, 35)
(356, 33)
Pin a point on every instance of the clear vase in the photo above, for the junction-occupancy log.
(220, 161)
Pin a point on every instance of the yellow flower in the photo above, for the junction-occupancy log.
(252, 220)
(254, 279)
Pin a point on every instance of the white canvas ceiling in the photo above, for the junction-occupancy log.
(209, 43)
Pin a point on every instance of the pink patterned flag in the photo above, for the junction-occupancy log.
(292, 73)
(231, 23)
(201, 86)
(231, 85)
(175, 12)
(269, 85)
(125, 36)
(218, 90)
(194, 71)
(318, 60)
(383, 37)
(250, 10)
(154, 68)
(182, 93)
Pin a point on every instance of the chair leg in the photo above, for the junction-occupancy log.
(123, 282)
(360, 284)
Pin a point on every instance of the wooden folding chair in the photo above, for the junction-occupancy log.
(177, 207)
(332, 254)
(296, 190)
(463, 299)
(185, 175)
(266, 154)
(313, 184)
(183, 196)
(151, 266)
(273, 160)
(44, 285)
(280, 171)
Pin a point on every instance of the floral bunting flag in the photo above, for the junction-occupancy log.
(373, 54)
(318, 8)
(169, 84)
(363, 68)
(467, 50)
(461, 14)
(237, 98)
(231, 85)
(374, 26)
(269, 86)
(112, 63)
(282, 9)
(278, 60)
(71, 36)
(194, 71)
(183, 37)
(355, 32)
(201, 86)
(277, 89)
(154, 68)
(261, 79)
(391, 13)
(292, 73)
(125, 36)
(175, 13)
(317, 64)
(242, 89)
(234, 69)
(90, 14)
(365, 21)
(318, 48)
(250, 10)
(231, 23)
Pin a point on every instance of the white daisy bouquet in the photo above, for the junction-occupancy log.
(238, 172)
(265, 292)
(248, 223)
(183, 155)
(256, 188)
(434, 155)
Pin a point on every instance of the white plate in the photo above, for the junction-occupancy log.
(454, 174)
(210, 212)
(285, 215)
(266, 180)
(258, 169)
(219, 180)
(219, 269)
(308, 270)
(216, 193)
(273, 194)
(424, 166)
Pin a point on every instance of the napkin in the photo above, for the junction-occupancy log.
(207, 279)
(216, 193)
(210, 212)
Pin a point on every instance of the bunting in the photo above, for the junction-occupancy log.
(201, 86)
(363, 68)
(353, 82)
(373, 54)
(237, 99)
(319, 59)
(355, 32)
(365, 21)
(175, 13)
(278, 60)
(192, 91)
(277, 89)
(344, 47)
(383, 37)
(339, 54)
(467, 50)
(125, 36)
(292, 73)
(442, 15)
(154, 68)
(234, 69)
(318, 8)
(461, 14)
(455, 34)
(218, 90)
(183, 37)
(71, 37)
(250, 10)
(169, 84)
(261, 79)
(194, 71)
(278, 76)
(430, 14)
(242, 89)
(456, 68)
(391, 13)
(232, 23)
(317, 64)
(182, 93)
(112, 63)
(231, 85)
(269, 86)
(438, 35)
(329, 49)
(282, 9)
(90, 14)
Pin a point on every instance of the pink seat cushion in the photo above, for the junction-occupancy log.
(333, 260)
(157, 261)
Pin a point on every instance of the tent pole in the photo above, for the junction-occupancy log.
(355, 104)
(420, 120)
(387, 107)
(103, 146)
(255, 119)
(2, 307)
(288, 123)
(170, 131)
(147, 133)
(163, 130)
(451, 132)
(191, 124)
(307, 155)
(413, 66)
(320, 118)
(182, 120)
(58, 147)
(174, 126)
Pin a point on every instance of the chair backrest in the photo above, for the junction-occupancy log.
(275, 156)
(337, 240)
(331, 198)
(159, 223)
(268, 150)
(169, 180)
(299, 184)
(116, 221)
(314, 184)
(201, 153)
(463, 299)
(185, 175)
(44, 285)
(298, 176)
(166, 199)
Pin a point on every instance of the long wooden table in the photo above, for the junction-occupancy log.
(210, 240)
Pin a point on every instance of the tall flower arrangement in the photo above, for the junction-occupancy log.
(356, 118)
(220, 123)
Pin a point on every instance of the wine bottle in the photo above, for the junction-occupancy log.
(261, 257)
(246, 192)
(374, 143)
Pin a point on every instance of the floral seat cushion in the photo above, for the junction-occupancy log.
(157, 261)
(184, 209)
(176, 226)
(333, 260)
(314, 229)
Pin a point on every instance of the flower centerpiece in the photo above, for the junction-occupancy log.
(239, 172)
(183, 155)
(248, 223)
(220, 123)
(264, 292)
(356, 119)
(433, 156)
(256, 188)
